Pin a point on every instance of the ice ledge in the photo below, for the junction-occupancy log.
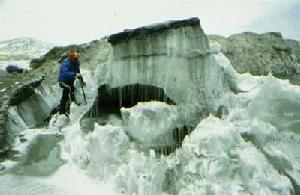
(146, 30)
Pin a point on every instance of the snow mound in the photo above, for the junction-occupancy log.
(58, 121)
(216, 160)
(146, 121)
(106, 146)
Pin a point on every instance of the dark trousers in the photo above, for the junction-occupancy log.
(67, 93)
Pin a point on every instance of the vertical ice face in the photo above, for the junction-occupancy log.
(174, 56)
(31, 111)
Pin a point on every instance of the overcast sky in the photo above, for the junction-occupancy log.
(76, 21)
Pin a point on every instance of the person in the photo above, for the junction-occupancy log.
(69, 71)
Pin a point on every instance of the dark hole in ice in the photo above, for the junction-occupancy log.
(110, 100)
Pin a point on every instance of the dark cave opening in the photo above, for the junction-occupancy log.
(110, 100)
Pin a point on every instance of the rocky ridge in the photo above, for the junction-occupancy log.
(261, 54)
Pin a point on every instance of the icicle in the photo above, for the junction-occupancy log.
(165, 151)
(152, 154)
(120, 97)
(132, 94)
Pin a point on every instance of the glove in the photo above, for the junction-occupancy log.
(80, 78)
(78, 75)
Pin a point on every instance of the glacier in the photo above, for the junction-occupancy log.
(204, 129)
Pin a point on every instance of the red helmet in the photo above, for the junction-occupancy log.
(73, 55)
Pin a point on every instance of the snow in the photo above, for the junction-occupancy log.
(58, 121)
(147, 121)
(222, 162)
(67, 180)
(278, 103)
(107, 145)
(141, 175)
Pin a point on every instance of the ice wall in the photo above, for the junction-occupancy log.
(174, 56)
(32, 111)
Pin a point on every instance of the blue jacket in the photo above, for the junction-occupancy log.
(68, 71)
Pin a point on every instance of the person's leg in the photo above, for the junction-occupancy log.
(72, 93)
(63, 101)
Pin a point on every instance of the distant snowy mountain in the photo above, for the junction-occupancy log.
(21, 50)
